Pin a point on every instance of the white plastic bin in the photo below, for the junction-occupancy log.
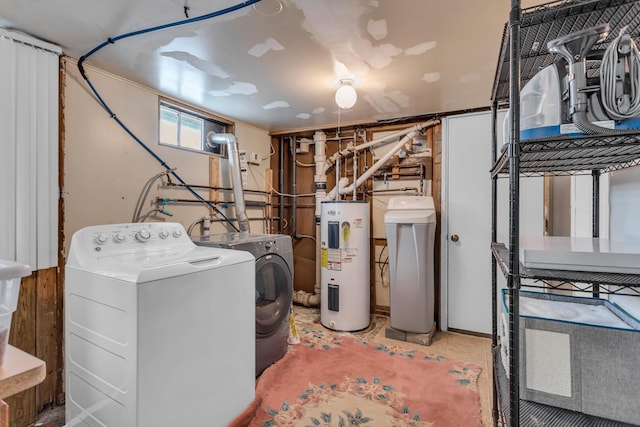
(11, 274)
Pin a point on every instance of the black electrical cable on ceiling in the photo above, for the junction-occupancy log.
(104, 105)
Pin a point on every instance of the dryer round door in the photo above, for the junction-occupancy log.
(274, 291)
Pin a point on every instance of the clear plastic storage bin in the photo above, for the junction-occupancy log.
(11, 273)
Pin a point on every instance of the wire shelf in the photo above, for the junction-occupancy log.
(575, 154)
(501, 254)
(541, 24)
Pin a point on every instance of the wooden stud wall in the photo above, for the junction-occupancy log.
(304, 249)
(36, 328)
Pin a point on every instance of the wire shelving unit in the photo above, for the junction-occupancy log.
(523, 53)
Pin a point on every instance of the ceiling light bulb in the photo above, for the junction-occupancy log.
(346, 95)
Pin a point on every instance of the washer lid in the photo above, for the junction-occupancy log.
(154, 264)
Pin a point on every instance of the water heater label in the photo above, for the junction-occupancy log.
(349, 254)
(334, 259)
(358, 223)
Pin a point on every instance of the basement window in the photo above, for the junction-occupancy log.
(184, 127)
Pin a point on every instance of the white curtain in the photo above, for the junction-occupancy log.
(29, 190)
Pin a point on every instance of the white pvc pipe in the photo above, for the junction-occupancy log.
(377, 165)
(411, 132)
(353, 149)
(417, 127)
(320, 177)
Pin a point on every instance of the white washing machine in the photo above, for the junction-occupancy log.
(150, 336)
(274, 288)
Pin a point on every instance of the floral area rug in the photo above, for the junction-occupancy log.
(332, 379)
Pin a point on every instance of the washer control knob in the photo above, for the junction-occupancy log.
(119, 238)
(163, 234)
(177, 233)
(143, 235)
(267, 246)
(101, 239)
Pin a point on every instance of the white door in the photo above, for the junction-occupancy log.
(466, 228)
(466, 218)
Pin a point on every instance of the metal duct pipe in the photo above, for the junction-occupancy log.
(234, 165)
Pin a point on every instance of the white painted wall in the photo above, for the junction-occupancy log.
(105, 169)
(624, 205)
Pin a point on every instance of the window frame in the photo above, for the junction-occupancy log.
(197, 113)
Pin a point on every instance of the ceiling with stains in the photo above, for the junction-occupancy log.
(276, 64)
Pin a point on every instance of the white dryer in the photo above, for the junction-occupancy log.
(150, 336)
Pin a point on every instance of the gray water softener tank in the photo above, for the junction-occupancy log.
(410, 225)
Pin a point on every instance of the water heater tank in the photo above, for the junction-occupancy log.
(345, 265)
